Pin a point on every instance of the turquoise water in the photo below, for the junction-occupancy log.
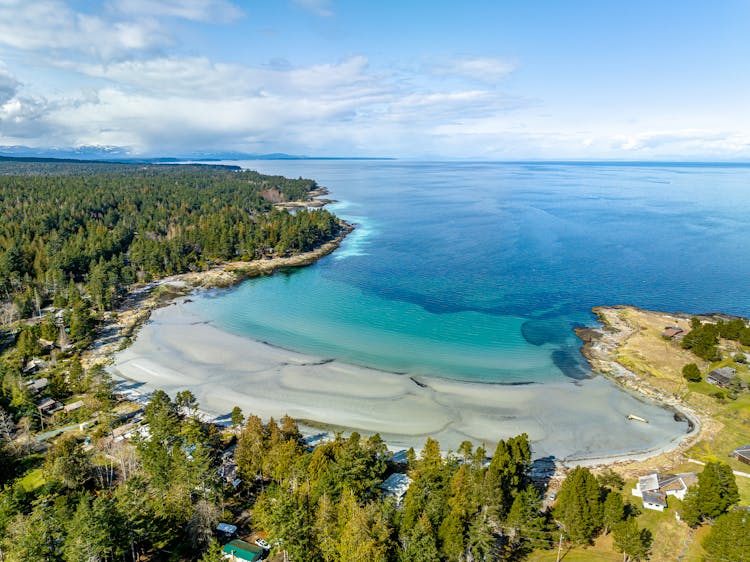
(479, 271)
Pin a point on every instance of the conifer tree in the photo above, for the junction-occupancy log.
(420, 544)
(237, 417)
(715, 494)
(613, 511)
(729, 538)
(579, 507)
(633, 542)
(482, 544)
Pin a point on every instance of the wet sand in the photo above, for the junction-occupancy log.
(574, 421)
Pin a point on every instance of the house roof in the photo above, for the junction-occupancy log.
(655, 498)
(396, 484)
(723, 372)
(669, 482)
(649, 482)
(37, 384)
(243, 550)
(721, 376)
(46, 403)
(226, 528)
(743, 451)
(689, 478)
(666, 482)
(73, 406)
(671, 331)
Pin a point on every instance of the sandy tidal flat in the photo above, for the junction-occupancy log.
(571, 420)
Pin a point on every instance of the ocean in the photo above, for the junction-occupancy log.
(480, 271)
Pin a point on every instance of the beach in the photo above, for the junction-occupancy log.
(573, 421)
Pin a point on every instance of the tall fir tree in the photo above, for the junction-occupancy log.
(579, 507)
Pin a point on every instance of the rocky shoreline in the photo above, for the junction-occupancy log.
(601, 348)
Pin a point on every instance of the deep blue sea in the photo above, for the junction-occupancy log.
(480, 271)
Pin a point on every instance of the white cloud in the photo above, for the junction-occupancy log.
(683, 142)
(200, 77)
(195, 10)
(180, 103)
(8, 85)
(320, 8)
(51, 25)
(484, 69)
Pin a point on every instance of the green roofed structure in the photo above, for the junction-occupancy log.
(241, 550)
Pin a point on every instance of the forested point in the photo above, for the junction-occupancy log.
(96, 228)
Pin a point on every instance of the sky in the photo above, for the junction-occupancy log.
(417, 79)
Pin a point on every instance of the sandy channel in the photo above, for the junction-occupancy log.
(573, 421)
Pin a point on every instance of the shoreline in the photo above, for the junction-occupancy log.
(120, 329)
(178, 350)
(505, 413)
(600, 348)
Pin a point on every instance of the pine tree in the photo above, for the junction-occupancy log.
(327, 529)
(633, 542)
(76, 376)
(481, 543)
(36, 536)
(90, 534)
(237, 418)
(579, 507)
(613, 511)
(729, 538)
(715, 494)
(213, 552)
(251, 448)
(366, 536)
(420, 545)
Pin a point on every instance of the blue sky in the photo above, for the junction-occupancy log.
(633, 80)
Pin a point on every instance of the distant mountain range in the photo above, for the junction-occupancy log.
(119, 154)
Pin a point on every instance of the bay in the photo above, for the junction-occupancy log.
(480, 271)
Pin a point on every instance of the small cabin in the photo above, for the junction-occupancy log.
(671, 332)
(241, 551)
(721, 377)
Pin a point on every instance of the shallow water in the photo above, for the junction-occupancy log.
(479, 271)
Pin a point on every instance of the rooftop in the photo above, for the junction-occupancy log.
(242, 550)
(648, 483)
(396, 484)
(655, 498)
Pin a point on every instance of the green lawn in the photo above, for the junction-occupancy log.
(33, 480)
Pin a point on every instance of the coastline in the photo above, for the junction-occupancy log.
(178, 349)
(404, 408)
(603, 347)
(119, 329)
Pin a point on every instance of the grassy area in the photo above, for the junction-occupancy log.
(33, 480)
(659, 363)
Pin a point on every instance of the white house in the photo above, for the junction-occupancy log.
(654, 488)
(396, 486)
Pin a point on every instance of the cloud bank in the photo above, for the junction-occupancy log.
(125, 77)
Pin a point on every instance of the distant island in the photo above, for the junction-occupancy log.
(118, 154)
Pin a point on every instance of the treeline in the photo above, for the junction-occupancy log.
(703, 337)
(108, 225)
(116, 501)
(159, 496)
(325, 504)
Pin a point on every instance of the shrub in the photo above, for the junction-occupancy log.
(691, 372)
